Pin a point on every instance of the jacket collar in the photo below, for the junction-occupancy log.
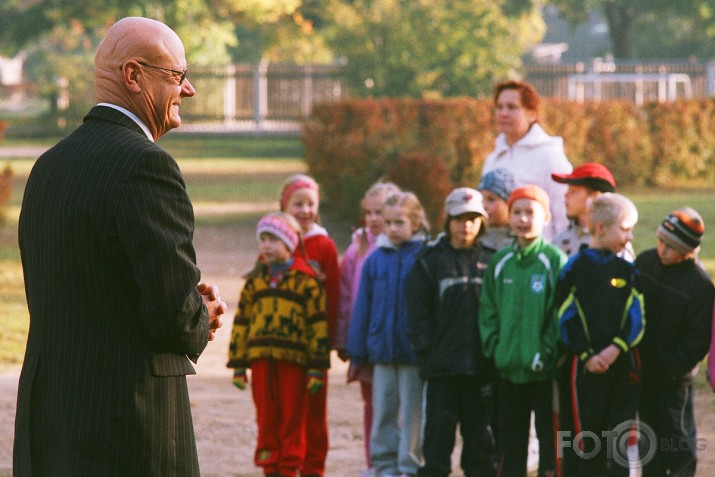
(530, 250)
(315, 229)
(534, 137)
(110, 113)
(384, 242)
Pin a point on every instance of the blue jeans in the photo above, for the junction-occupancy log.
(396, 438)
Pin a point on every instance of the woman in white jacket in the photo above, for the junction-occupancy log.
(524, 148)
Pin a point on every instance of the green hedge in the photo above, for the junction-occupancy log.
(431, 146)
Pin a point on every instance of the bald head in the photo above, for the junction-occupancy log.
(126, 72)
(133, 37)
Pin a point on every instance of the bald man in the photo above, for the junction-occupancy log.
(117, 312)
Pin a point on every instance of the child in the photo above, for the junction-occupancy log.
(496, 186)
(281, 333)
(378, 336)
(601, 321)
(443, 300)
(363, 243)
(585, 184)
(679, 300)
(300, 198)
(517, 322)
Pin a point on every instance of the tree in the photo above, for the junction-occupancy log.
(426, 48)
(623, 16)
(205, 36)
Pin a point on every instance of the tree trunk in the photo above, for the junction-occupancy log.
(620, 21)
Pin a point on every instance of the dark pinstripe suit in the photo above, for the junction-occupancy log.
(105, 236)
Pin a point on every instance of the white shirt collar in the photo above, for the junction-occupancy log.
(132, 116)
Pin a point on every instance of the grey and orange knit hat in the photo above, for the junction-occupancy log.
(682, 230)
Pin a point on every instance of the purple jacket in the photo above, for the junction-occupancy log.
(350, 269)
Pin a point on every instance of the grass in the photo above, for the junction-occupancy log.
(653, 206)
(14, 318)
(229, 146)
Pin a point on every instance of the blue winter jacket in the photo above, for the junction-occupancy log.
(378, 331)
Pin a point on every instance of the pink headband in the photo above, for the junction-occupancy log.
(294, 186)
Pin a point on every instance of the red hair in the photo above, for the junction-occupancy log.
(528, 95)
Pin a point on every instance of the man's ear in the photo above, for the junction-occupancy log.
(131, 72)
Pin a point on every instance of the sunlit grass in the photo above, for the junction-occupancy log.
(654, 205)
(14, 317)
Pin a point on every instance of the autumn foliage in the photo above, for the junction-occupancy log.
(431, 146)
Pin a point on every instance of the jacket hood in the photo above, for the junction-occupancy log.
(315, 229)
(384, 242)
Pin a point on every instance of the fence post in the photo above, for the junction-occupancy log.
(260, 93)
(229, 96)
(710, 79)
(307, 90)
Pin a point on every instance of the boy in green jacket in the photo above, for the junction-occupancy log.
(519, 329)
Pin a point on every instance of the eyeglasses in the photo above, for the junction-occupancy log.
(182, 74)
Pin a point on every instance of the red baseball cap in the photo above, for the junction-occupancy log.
(591, 174)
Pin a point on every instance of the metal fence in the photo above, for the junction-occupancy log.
(263, 98)
(259, 97)
(266, 97)
(633, 81)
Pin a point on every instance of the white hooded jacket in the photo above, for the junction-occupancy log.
(532, 160)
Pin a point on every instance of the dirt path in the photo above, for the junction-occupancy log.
(224, 417)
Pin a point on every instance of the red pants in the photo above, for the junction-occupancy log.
(316, 432)
(280, 397)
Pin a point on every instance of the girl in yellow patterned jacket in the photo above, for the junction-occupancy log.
(280, 331)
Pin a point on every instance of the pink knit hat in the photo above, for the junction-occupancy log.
(275, 225)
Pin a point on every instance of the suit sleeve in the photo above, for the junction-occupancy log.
(156, 225)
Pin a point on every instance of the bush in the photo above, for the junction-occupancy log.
(5, 189)
(429, 146)
(353, 143)
(410, 171)
(683, 140)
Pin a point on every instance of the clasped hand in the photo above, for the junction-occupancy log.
(212, 299)
(599, 363)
